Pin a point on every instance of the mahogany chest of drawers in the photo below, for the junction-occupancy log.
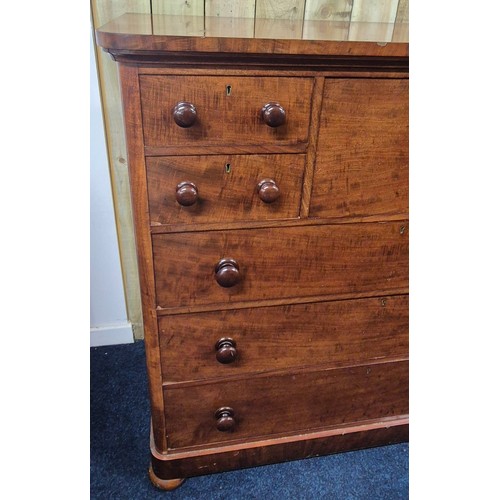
(270, 193)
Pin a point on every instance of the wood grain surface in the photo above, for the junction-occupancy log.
(145, 33)
(109, 88)
(219, 226)
(364, 170)
(301, 343)
(274, 338)
(317, 100)
(137, 167)
(230, 8)
(281, 263)
(331, 10)
(227, 186)
(373, 20)
(189, 9)
(224, 119)
(280, 404)
(180, 463)
(291, 10)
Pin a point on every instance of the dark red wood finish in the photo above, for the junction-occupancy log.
(270, 195)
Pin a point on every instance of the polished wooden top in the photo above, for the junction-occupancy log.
(162, 33)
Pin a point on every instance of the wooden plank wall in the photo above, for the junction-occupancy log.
(102, 12)
(381, 11)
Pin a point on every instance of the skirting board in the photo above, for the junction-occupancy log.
(120, 333)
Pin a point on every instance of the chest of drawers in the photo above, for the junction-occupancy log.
(270, 193)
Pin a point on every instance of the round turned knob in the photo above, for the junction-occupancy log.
(268, 190)
(273, 114)
(226, 351)
(186, 194)
(184, 114)
(225, 419)
(227, 273)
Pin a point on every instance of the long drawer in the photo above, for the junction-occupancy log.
(224, 188)
(278, 263)
(281, 404)
(227, 110)
(245, 341)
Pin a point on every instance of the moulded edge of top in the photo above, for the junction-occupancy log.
(145, 33)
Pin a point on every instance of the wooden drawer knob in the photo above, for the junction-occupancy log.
(186, 194)
(184, 114)
(273, 114)
(225, 419)
(268, 190)
(226, 351)
(227, 273)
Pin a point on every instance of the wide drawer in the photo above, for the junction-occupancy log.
(227, 110)
(284, 404)
(224, 188)
(236, 342)
(276, 263)
(362, 159)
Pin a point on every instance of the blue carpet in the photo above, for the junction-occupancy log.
(119, 451)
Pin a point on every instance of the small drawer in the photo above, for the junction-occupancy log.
(252, 408)
(198, 189)
(362, 159)
(213, 110)
(248, 341)
(217, 267)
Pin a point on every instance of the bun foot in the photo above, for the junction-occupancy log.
(164, 484)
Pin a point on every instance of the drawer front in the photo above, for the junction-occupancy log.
(221, 118)
(362, 159)
(226, 187)
(277, 263)
(281, 404)
(283, 337)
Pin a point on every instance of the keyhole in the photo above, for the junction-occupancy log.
(228, 89)
(228, 168)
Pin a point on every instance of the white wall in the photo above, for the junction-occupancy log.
(108, 315)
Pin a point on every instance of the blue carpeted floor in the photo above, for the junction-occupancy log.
(119, 456)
